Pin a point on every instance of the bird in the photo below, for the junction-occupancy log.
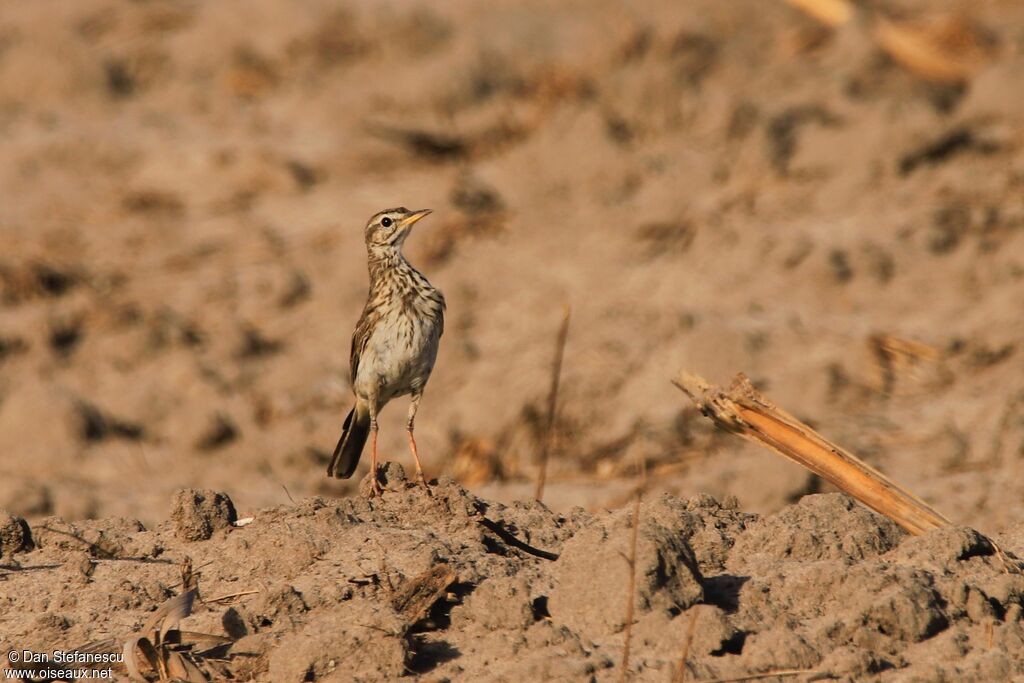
(394, 345)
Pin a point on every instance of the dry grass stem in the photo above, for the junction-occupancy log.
(687, 641)
(744, 411)
(631, 588)
(1011, 564)
(641, 467)
(549, 427)
(781, 673)
(231, 596)
(1012, 407)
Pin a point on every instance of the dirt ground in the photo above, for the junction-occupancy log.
(454, 587)
(719, 187)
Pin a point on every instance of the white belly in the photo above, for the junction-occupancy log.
(398, 358)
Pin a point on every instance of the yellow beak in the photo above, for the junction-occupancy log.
(413, 217)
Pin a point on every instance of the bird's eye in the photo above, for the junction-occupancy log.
(386, 222)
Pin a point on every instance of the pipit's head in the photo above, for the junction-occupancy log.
(389, 228)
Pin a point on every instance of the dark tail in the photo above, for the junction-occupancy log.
(350, 445)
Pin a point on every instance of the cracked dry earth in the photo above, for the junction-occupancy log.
(454, 587)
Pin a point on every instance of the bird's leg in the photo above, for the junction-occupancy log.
(375, 487)
(413, 406)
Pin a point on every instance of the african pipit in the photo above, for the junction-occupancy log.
(394, 345)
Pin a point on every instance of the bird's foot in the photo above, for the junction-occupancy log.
(376, 490)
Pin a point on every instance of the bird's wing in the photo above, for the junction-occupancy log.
(440, 314)
(361, 337)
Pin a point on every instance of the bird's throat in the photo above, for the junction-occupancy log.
(389, 268)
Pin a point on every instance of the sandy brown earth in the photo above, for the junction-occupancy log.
(713, 186)
(454, 587)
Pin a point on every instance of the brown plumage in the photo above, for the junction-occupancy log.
(394, 344)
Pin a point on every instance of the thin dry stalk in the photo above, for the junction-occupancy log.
(744, 411)
(549, 427)
(687, 641)
(1009, 411)
(1011, 565)
(641, 466)
(230, 596)
(288, 493)
(781, 673)
(631, 590)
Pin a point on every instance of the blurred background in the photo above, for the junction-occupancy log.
(826, 196)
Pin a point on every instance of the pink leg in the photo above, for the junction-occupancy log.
(413, 406)
(416, 457)
(375, 487)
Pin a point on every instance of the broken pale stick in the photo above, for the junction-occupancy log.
(744, 411)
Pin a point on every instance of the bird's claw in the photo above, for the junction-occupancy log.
(376, 490)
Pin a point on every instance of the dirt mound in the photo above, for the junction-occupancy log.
(451, 586)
